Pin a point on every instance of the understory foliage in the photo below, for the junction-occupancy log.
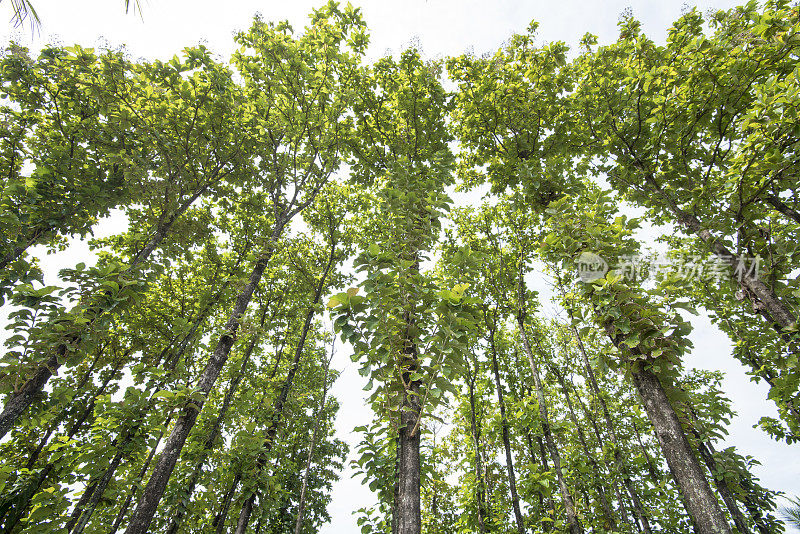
(526, 351)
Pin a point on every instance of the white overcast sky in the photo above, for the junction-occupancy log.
(441, 27)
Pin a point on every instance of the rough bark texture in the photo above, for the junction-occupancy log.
(151, 496)
(216, 427)
(699, 500)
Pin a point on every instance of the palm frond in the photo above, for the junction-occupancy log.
(24, 10)
(791, 513)
(137, 6)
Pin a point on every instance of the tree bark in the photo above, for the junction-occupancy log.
(575, 526)
(598, 485)
(317, 427)
(781, 206)
(758, 291)
(216, 427)
(151, 496)
(722, 486)
(512, 479)
(638, 510)
(272, 430)
(480, 488)
(699, 500)
(222, 515)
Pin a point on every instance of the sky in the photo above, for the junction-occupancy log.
(440, 28)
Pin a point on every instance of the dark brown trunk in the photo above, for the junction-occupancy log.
(699, 500)
(409, 518)
(151, 496)
(512, 478)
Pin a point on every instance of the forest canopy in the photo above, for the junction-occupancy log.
(524, 349)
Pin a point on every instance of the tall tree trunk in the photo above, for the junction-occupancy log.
(24, 497)
(779, 205)
(216, 427)
(123, 511)
(700, 501)
(622, 466)
(21, 400)
(598, 485)
(512, 479)
(298, 526)
(78, 522)
(97, 488)
(623, 510)
(272, 430)
(480, 487)
(575, 526)
(222, 515)
(722, 486)
(151, 496)
(651, 468)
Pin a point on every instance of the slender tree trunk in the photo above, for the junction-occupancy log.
(123, 511)
(480, 488)
(222, 515)
(298, 526)
(151, 496)
(651, 468)
(700, 501)
(598, 485)
(216, 427)
(623, 511)
(272, 430)
(575, 526)
(550, 504)
(21, 400)
(24, 498)
(638, 510)
(79, 522)
(780, 206)
(512, 479)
